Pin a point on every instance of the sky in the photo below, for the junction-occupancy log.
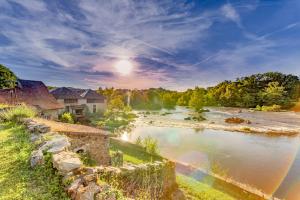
(168, 43)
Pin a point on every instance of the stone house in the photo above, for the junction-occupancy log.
(79, 101)
(32, 93)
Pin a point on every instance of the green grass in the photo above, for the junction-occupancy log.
(132, 153)
(14, 114)
(17, 180)
(194, 189)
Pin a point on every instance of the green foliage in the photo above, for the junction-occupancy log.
(2, 106)
(169, 101)
(7, 78)
(117, 116)
(17, 113)
(194, 189)
(150, 145)
(18, 180)
(273, 108)
(116, 103)
(87, 159)
(67, 118)
(139, 141)
(197, 99)
(132, 153)
(258, 89)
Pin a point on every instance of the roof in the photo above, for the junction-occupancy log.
(75, 93)
(33, 93)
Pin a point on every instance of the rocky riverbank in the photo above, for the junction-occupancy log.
(273, 123)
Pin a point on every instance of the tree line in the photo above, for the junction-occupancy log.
(266, 89)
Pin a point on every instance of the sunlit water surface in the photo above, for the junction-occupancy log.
(270, 164)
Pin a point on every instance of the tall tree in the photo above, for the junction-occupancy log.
(7, 78)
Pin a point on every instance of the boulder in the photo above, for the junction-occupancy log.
(72, 189)
(65, 162)
(36, 158)
(58, 143)
(88, 192)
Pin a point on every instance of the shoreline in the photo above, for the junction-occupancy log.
(269, 123)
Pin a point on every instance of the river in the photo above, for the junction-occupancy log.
(267, 163)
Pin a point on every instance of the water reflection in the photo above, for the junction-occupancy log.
(256, 160)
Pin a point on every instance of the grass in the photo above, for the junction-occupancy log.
(132, 153)
(14, 114)
(18, 181)
(194, 189)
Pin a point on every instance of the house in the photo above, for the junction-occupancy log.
(79, 101)
(32, 93)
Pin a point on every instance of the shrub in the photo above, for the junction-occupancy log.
(15, 114)
(150, 144)
(67, 118)
(273, 108)
(139, 141)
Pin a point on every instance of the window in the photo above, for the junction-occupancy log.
(94, 108)
(94, 101)
(70, 100)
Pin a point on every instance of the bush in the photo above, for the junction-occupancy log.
(273, 108)
(150, 144)
(67, 118)
(15, 114)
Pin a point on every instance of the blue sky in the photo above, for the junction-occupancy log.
(172, 44)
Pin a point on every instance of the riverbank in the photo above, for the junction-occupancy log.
(272, 123)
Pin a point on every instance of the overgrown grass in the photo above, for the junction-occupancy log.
(194, 189)
(2, 106)
(17, 180)
(16, 113)
(133, 153)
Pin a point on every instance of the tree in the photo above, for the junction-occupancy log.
(169, 101)
(116, 103)
(197, 99)
(274, 94)
(7, 78)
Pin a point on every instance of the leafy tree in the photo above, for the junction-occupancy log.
(168, 101)
(7, 78)
(274, 94)
(197, 99)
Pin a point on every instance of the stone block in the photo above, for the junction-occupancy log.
(65, 162)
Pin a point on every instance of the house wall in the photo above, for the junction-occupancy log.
(51, 114)
(100, 107)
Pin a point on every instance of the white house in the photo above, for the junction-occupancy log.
(79, 101)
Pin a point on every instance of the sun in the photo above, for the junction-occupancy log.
(124, 67)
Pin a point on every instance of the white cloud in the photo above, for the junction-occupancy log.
(230, 12)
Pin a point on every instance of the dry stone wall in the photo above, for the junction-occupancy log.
(153, 180)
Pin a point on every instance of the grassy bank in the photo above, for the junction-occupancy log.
(18, 181)
(193, 189)
(132, 153)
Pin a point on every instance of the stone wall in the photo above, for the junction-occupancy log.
(96, 145)
(151, 180)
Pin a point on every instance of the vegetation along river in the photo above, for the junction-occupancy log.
(267, 163)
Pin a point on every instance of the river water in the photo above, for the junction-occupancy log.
(267, 163)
